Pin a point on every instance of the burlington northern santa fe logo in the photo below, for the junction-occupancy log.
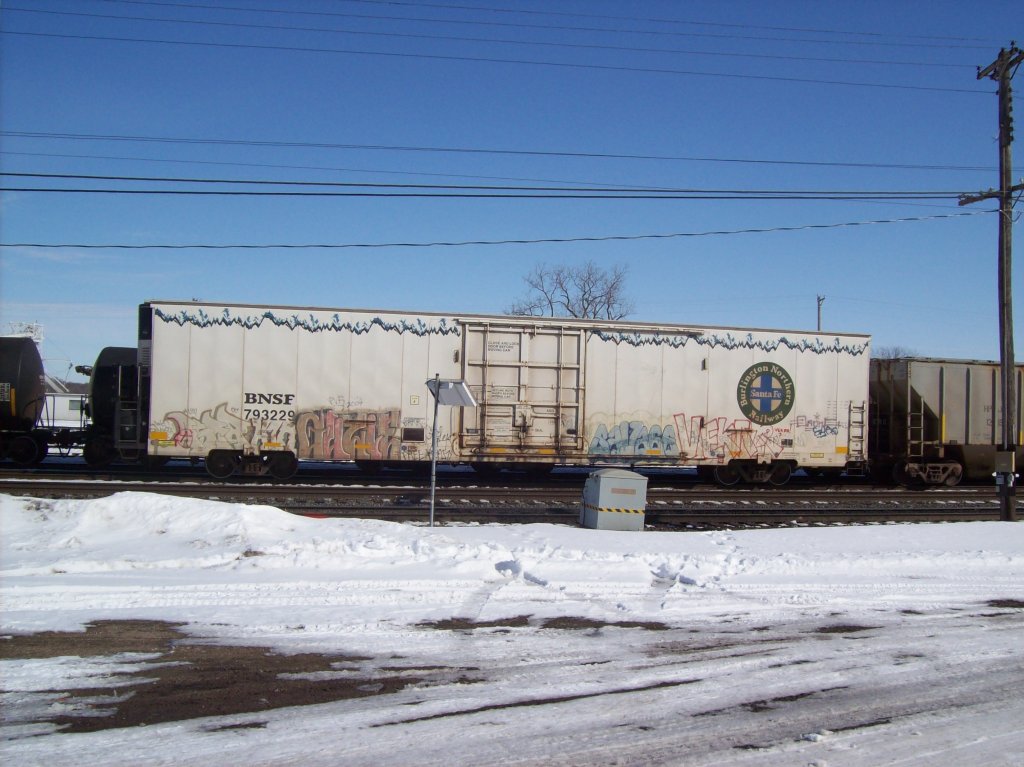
(765, 393)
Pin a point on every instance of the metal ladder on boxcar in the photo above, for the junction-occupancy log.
(855, 456)
(915, 434)
(127, 432)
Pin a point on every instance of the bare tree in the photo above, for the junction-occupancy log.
(892, 352)
(586, 291)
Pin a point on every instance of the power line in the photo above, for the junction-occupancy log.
(815, 194)
(497, 60)
(945, 44)
(464, 243)
(811, 30)
(315, 167)
(489, 40)
(484, 195)
(479, 151)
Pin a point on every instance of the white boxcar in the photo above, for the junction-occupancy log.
(261, 387)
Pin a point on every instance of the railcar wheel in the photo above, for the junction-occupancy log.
(900, 475)
(956, 474)
(24, 450)
(282, 465)
(221, 464)
(99, 451)
(706, 474)
(727, 476)
(534, 470)
(780, 474)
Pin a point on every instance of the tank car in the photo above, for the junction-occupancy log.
(936, 421)
(257, 389)
(22, 391)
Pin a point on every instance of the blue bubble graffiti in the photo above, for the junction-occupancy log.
(634, 438)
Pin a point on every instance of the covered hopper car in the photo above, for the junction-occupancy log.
(257, 389)
(937, 421)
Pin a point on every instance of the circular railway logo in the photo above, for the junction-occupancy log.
(765, 393)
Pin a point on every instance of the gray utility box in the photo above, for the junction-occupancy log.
(614, 499)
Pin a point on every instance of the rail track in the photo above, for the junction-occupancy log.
(671, 504)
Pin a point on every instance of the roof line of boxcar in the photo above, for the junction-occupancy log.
(944, 360)
(647, 327)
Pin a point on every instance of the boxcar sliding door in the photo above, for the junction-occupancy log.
(528, 381)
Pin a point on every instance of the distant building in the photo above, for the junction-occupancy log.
(64, 407)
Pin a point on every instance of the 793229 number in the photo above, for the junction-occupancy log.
(256, 414)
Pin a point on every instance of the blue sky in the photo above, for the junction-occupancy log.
(809, 96)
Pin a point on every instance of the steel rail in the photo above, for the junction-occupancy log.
(656, 495)
(693, 506)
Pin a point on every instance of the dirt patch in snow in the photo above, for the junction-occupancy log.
(568, 623)
(100, 638)
(184, 678)
(844, 628)
(1017, 604)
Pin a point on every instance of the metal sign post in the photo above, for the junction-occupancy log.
(451, 394)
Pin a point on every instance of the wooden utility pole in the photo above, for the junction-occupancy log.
(1002, 70)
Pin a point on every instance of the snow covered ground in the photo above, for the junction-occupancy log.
(522, 645)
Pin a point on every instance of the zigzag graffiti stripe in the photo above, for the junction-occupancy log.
(201, 319)
(729, 341)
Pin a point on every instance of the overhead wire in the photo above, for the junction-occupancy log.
(482, 243)
(945, 44)
(463, 191)
(653, 20)
(280, 166)
(555, 191)
(478, 151)
(583, 195)
(498, 60)
(490, 40)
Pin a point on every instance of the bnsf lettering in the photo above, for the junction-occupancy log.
(264, 398)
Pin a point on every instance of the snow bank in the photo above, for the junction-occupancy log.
(405, 572)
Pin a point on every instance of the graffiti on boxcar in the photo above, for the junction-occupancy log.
(819, 427)
(213, 429)
(634, 438)
(180, 435)
(310, 322)
(322, 434)
(732, 341)
(351, 435)
(722, 438)
(766, 443)
(701, 438)
(344, 403)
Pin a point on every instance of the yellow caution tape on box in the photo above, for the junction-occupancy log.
(615, 511)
